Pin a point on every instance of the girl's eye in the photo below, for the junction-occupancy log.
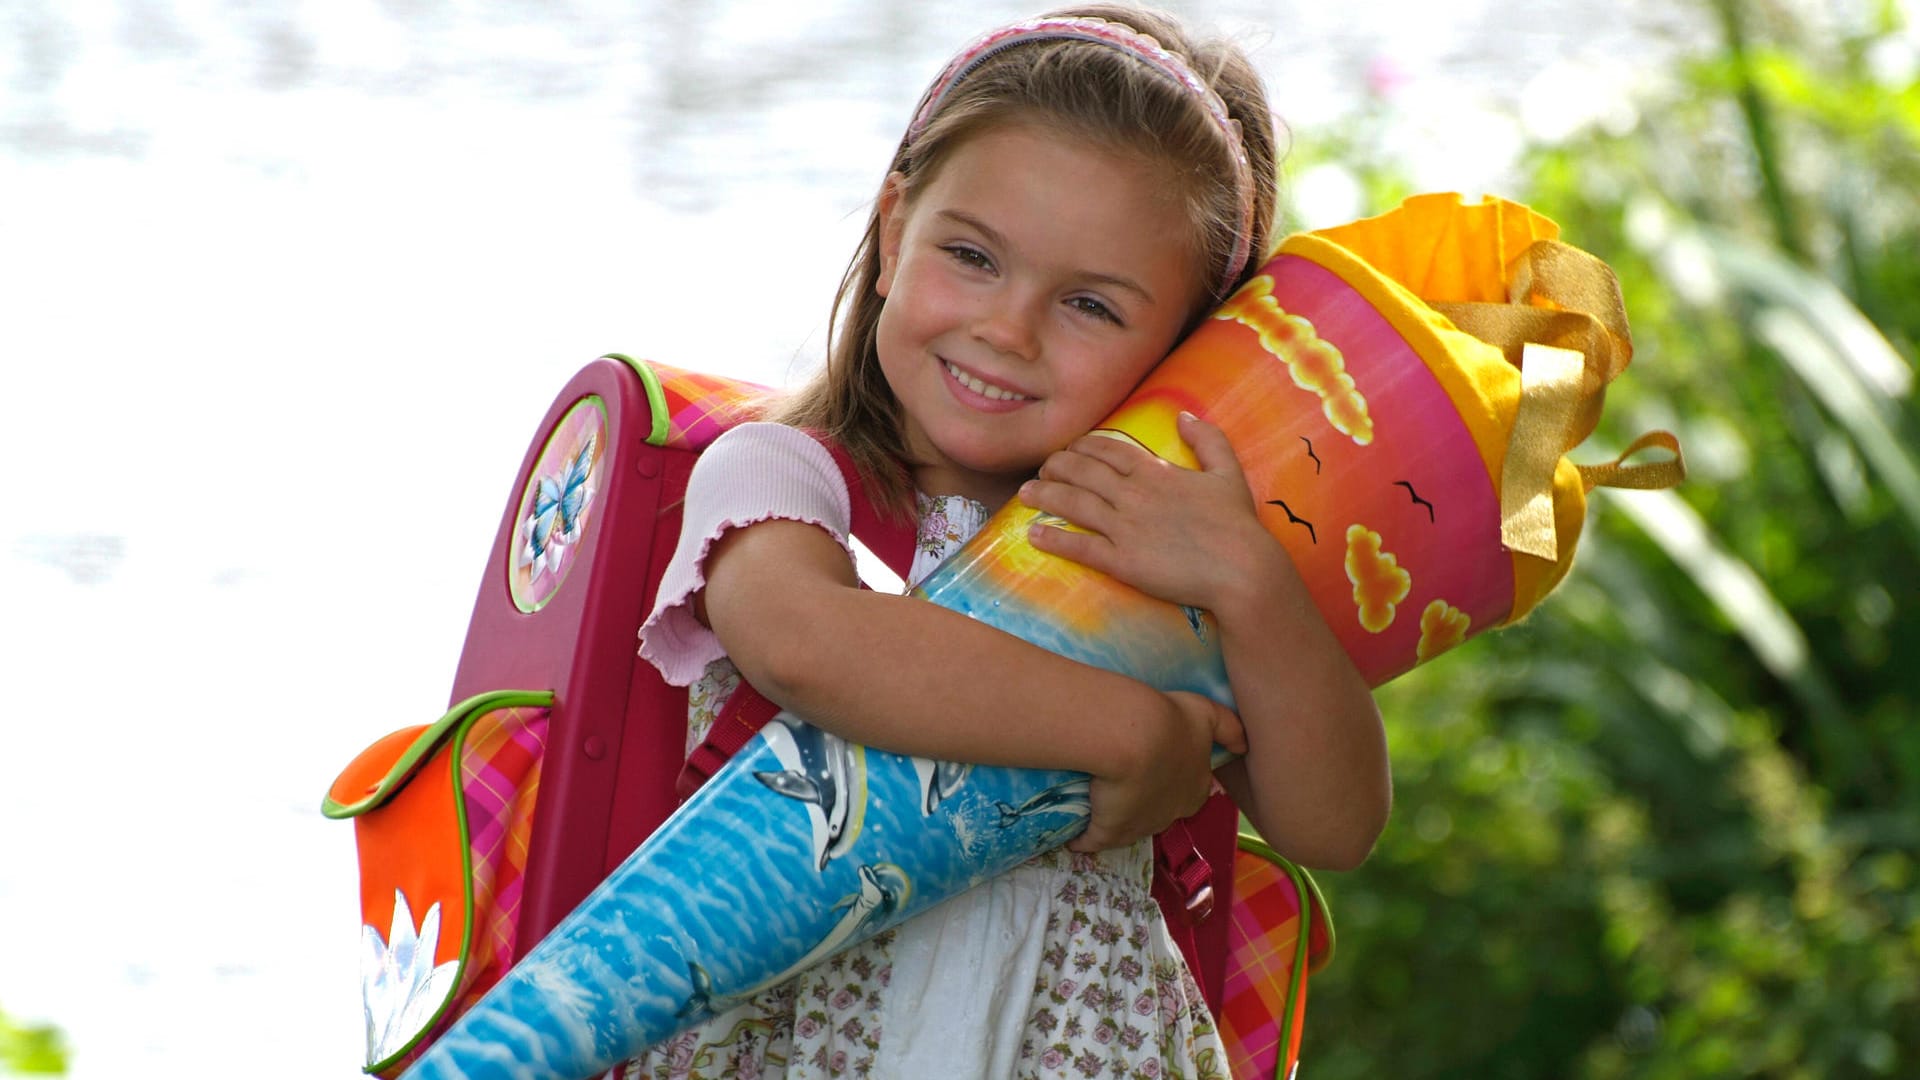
(970, 256)
(1096, 309)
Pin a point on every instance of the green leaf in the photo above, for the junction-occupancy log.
(31, 1050)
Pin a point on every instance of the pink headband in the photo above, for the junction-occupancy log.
(1133, 43)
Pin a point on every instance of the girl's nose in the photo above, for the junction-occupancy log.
(1009, 323)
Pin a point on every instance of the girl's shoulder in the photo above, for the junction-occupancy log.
(770, 465)
(755, 441)
(751, 473)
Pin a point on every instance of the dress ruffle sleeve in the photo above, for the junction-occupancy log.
(752, 473)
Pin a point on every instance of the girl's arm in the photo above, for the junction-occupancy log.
(1315, 779)
(901, 674)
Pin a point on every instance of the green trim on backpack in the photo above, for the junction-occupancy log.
(656, 396)
(1311, 902)
(425, 743)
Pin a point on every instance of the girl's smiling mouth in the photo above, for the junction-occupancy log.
(979, 388)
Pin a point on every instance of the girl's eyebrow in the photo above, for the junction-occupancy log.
(997, 239)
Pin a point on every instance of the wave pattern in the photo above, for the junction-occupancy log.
(636, 962)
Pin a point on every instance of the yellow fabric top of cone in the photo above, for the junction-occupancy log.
(1439, 249)
(1444, 250)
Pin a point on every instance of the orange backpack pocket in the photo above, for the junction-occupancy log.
(442, 813)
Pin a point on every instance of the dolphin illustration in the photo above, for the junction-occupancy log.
(1067, 798)
(1196, 621)
(701, 1003)
(884, 889)
(825, 772)
(938, 781)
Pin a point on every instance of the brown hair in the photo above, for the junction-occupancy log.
(1083, 89)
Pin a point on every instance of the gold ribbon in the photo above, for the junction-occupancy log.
(1564, 325)
(1649, 476)
(1562, 296)
(1550, 396)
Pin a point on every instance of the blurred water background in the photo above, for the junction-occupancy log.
(285, 286)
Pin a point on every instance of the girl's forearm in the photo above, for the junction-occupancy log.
(1315, 780)
(927, 681)
(904, 675)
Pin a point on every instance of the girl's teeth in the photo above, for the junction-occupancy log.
(986, 390)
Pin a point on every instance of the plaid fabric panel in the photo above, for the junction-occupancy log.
(500, 771)
(1263, 937)
(701, 406)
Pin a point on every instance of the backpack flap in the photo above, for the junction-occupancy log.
(440, 814)
(587, 529)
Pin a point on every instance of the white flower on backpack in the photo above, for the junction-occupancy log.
(400, 987)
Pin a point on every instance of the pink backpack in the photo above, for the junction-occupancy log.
(563, 750)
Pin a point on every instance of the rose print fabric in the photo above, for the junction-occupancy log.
(1062, 968)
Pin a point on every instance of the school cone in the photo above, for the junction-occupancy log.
(1415, 473)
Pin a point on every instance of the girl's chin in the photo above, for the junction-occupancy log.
(991, 459)
(986, 477)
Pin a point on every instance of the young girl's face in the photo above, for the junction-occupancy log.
(1028, 288)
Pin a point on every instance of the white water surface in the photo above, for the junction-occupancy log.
(284, 288)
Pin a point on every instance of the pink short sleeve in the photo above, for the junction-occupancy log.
(753, 473)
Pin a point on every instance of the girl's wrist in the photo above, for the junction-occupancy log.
(1261, 577)
(1126, 745)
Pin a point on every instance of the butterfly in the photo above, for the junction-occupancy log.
(559, 503)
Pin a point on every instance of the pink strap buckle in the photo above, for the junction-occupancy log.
(1180, 860)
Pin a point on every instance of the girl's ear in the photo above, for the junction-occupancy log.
(893, 224)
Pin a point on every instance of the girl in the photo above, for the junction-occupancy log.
(1073, 193)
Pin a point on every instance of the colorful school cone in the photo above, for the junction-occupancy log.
(1413, 471)
(1415, 474)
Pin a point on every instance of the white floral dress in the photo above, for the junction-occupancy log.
(1060, 968)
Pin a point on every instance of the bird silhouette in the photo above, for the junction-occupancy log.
(1416, 497)
(1296, 519)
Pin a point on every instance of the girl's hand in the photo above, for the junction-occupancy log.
(1194, 538)
(1171, 777)
(1183, 536)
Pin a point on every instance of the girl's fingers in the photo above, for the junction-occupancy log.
(1095, 471)
(1227, 730)
(1118, 453)
(1081, 507)
(1116, 448)
(1077, 503)
(1089, 549)
(1124, 457)
(1209, 445)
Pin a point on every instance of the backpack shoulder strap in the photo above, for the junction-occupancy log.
(740, 719)
(1193, 882)
(889, 535)
(748, 710)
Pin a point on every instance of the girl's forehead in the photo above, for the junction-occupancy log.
(1016, 142)
(1056, 196)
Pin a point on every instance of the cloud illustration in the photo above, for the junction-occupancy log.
(1313, 361)
(1442, 626)
(1379, 584)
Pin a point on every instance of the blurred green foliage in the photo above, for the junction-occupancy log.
(31, 1049)
(1668, 826)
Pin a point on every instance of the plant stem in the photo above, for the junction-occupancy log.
(1760, 131)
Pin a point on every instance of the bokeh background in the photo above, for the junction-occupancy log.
(285, 286)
